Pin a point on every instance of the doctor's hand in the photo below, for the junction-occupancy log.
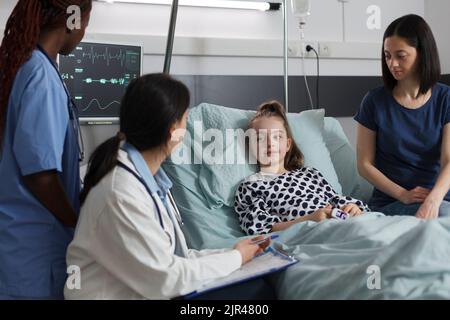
(428, 210)
(416, 195)
(248, 249)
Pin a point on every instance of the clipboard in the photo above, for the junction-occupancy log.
(263, 264)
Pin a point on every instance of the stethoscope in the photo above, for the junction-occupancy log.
(172, 202)
(72, 109)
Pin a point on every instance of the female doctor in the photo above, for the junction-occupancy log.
(39, 154)
(128, 243)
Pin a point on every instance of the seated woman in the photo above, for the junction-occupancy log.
(128, 242)
(284, 192)
(404, 126)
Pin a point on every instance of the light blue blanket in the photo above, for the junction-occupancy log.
(341, 260)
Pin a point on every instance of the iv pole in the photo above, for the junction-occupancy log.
(170, 40)
(171, 36)
(285, 55)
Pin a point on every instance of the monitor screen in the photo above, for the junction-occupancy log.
(97, 75)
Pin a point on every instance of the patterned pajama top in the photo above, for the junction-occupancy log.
(264, 199)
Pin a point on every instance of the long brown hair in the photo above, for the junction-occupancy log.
(294, 157)
(21, 37)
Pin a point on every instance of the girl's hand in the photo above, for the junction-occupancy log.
(416, 195)
(248, 249)
(352, 209)
(428, 210)
(321, 214)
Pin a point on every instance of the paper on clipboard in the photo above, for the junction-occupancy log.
(268, 262)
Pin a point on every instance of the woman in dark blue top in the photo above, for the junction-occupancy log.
(404, 126)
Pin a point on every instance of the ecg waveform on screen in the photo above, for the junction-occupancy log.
(97, 75)
(106, 55)
(120, 81)
(99, 106)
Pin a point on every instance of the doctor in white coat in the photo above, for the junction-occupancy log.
(128, 243)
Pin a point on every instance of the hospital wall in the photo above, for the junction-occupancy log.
(228, 43)
(437, 13)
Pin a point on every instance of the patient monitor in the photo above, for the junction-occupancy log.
(97, 74)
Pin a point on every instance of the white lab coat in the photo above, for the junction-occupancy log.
(123, 253)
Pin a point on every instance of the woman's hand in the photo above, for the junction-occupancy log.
(352, 209)
(428, 210)
(248, 249)
(321, 214)
(416, 195)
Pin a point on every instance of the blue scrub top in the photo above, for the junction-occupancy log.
(409, 141)
(39, 136)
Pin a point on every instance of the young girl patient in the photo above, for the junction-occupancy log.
(284, 192)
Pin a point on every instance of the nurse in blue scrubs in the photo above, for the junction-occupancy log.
(40, 149)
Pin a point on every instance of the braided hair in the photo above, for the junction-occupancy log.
(21, 37)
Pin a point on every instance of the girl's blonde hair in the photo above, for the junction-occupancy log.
(294, 157)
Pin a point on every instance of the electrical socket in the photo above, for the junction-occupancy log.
(306, 54)
(324, 49)
(293, 50)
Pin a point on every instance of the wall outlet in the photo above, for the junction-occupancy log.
(324, 49)
(306, 54)
(293, 50)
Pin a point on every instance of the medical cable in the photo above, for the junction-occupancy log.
(306, 83)
(302, 37)
(308, 49)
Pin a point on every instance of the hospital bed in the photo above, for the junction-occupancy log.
(368, 257)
